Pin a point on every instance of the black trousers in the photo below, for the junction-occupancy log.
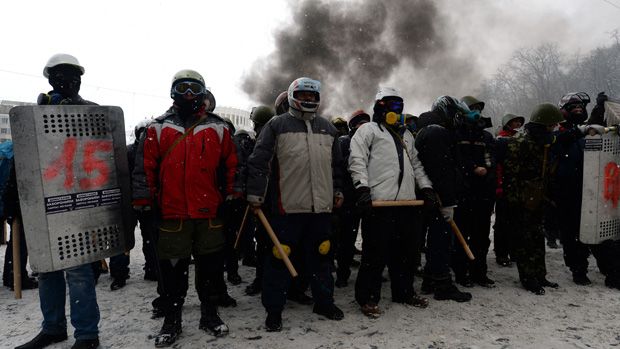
(388, 239)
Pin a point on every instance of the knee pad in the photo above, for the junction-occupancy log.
(276, 253)
(325, 247)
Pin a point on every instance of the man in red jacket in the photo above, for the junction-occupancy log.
(181, 162)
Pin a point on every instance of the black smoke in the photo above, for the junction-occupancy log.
(355, 47)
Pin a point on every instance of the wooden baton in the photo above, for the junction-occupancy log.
(17, 262)
(245, 215)
(390, 203)
(276, 242)
(461, 239)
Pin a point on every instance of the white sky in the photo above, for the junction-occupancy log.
(131, 49)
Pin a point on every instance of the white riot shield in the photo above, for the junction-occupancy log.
(73, 183)
(600, 209)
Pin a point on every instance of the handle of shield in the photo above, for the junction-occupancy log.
(392, 203)
(245, 215)
(17, 265)
(276, 242)
(461, 239)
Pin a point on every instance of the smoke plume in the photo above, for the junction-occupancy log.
(355, 47)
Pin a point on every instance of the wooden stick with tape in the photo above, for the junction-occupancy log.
(17, 262)
(245, 215)
(276, 242)
(390, 203)
(461, 239)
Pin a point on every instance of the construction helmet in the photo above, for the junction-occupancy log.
(60, 59)
(281, 103)
(261, 114)
(546, 114)
(509, 117)
(473, 101)
(357, 117)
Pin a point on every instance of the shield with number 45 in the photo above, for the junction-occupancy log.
(73, 183)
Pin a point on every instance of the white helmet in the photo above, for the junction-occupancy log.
(304, 84)
(387, 92)
(59, 59)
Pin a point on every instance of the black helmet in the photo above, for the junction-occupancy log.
(451, 109)
(574, 98)
(357, 117)
(568, 105)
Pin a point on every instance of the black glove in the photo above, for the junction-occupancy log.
(364, 200)
(431, 199)
(601, 98)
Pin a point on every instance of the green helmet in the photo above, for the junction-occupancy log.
(261, 114)
(546, 114)
(471, 101)
(339, 121)
(509, 117)
(188, 74)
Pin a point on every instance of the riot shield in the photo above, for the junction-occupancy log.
(73, 183)
(600, 212)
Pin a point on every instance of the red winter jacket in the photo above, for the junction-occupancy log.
(186, 183)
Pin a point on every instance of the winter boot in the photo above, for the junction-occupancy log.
(428, 285)
(42, 340)
(273, 323)
(464, 280)
(484, 281)
(581, 278)
(546, 283)
(86, 344)
(415, 300)
(254, 288)
(211, 322)
(371, 310)
(234, 279)
(448, 291)
(330, 311)
(117, 284)
(533, 286)
(299, 298)
(170, 331)
(503, 261)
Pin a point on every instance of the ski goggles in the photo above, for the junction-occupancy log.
(394, 106)
(189, 86)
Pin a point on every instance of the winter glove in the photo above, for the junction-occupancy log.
(364, 200)
(431, 199)
(601, 98)
(447, 213)
(591, 129)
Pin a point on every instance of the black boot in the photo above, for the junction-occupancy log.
(330, 311)
(448, 291)
(484, 281)
(299, 297)
(234, 278)
(581, 278)
(211, 322)
(273, 323)
(170, 331)
(86, 344)
(254, 288)
(428, 285)
(118, 283)
(533, 286)
(546, 283)
(42, 340)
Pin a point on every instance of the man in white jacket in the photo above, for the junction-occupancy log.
(384, 166)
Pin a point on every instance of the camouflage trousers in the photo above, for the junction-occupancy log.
(527, 240)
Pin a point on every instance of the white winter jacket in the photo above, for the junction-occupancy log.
(373, 163)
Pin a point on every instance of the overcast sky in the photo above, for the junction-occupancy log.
(131, 49)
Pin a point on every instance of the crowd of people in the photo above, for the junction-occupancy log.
(408, 181)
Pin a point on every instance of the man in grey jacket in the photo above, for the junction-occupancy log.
(298, 152)
(384, 166)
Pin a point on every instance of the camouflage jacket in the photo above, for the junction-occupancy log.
(528, 168)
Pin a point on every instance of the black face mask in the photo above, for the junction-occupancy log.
(188, 106)
(66, 80)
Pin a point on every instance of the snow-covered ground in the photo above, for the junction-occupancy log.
(504, 317)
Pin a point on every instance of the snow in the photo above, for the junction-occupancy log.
(504, 317)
